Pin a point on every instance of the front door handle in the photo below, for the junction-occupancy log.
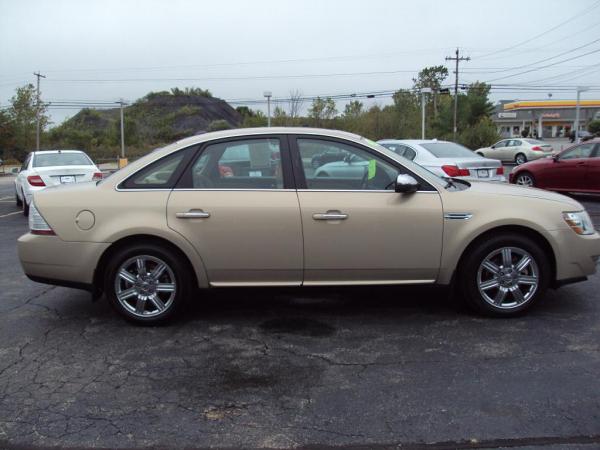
(193, 214)
(330, 215)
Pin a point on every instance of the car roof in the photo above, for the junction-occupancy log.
(414, 141)
(57, 151)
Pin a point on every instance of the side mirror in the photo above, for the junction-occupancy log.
(405, 184)
(556, 157)
(493, 146)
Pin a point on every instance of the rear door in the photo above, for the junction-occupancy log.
(237, 205)
(356, 228)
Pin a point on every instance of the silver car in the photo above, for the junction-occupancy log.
(447, 159)
(518, 151)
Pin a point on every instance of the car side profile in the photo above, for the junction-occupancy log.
(45, 168)
(447, 159)
(517, 151)
(173, 221)
(575, 169)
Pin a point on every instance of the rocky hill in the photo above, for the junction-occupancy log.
(157, 118)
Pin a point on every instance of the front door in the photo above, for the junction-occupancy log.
(356, 228)
(236, 206)
(569, 171)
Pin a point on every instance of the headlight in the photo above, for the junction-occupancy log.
(579, 221)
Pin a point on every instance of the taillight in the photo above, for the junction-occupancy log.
(97, 176)
(500, 171)
(453, 171)
(537, 148)
(35, 180)
(37, 224)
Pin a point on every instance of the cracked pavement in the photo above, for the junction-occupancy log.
(284, 368)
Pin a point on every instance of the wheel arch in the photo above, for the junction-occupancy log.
(134, 239)
(534, 235)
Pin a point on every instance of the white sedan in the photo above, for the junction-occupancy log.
(447, 159)
(518, 151)
(46, 168)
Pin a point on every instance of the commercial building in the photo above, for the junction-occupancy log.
(544, 118)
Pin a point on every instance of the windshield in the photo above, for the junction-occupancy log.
(61, 159)
(448, 150)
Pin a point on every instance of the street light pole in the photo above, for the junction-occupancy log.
(121, 103)
(580, 89)
(268, 94)
(424, 91)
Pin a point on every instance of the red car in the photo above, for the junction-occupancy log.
(576, 169)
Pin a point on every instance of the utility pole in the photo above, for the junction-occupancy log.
(456, 58)
(37, 111)
(121, 103)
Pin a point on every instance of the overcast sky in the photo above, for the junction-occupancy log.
(105, 50)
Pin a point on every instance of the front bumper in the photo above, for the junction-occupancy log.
(577, 256)
(52, 260)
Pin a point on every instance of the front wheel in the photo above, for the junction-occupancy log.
(525, 179)
(504, 276)
(520, 158)
(147, 283)
(25, 206)
(18, 201)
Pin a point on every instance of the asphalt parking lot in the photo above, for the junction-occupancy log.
(371, 368)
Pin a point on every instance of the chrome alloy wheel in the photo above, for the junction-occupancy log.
(524, 180)
(145, 286)
(508, 277)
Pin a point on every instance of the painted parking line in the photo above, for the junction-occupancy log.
(11, 214)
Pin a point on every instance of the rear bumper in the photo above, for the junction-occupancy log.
(59, 262)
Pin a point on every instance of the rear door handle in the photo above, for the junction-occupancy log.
(330, 215)
(193, 214)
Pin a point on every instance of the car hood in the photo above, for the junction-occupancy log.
(536, 162)
(522, 191)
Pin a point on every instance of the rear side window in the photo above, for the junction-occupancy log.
(61, 159)
(161, 174)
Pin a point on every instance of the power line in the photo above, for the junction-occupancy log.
(544, 67)
(570, 19)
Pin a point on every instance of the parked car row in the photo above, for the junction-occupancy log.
(247, 207)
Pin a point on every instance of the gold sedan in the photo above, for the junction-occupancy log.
(247, 207)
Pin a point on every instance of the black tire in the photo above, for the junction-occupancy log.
(471, 264)
(25, 206)
(524, 175)
(520, 158)
(179, 269)
(18, 201)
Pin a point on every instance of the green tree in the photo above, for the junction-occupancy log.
(322, 110)
(594, 126)
(218, 125)
(22, 114)
(280, 117)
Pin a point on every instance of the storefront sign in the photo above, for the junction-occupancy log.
(507, 115)
(551, 115)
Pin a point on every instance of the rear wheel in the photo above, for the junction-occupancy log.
(504, 276)
(520, 158)
(18, 201)
(147, 283)
(525, 179)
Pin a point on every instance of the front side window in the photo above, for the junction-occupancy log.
(500, 144)
(243, 164)
(61, 159)
(581, 151)
(358, 170)
(409, 153)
